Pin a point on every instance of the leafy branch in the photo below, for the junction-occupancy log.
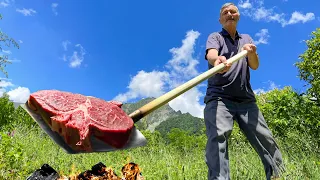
(7, 41)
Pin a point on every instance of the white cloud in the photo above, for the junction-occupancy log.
(14, 60)
(20, 41)
(256, 11)
(179, 69)
(4, 4)
(77, 57)
(271, 86)
(245, 5)
(26, 12)
(6, 51)
(189, 102)
(65, 44)
(19, 94)
(2, 91)
(263, 36)
(183, 64)
(9, 52)
(54, 8)
(297, 17)
(5, 84)
(64, 57)
(259, 91)
(145, 84)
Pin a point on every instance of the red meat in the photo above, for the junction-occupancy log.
(75, 117)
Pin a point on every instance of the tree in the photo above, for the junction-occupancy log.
(4, 38)
(309, 66)
(6, 113)
(292, 117)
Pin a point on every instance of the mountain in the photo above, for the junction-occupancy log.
(185, 122)
(164, 118)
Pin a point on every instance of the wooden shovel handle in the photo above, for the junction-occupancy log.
(160, 101)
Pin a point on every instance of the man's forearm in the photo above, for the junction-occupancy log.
(253, 61)
(212, 56)
(212, 60)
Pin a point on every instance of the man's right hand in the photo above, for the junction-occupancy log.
(222, 59)
(214, 59)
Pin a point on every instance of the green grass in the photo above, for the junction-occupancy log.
(28, 149)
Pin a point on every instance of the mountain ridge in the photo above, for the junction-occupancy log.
(158, 119)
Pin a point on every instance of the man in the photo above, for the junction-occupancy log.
(230, 97)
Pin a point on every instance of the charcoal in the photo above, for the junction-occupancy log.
(46, 172)
(86, 175)
(98, 169)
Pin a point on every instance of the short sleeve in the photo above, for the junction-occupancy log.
(250, 40)
(212, 43)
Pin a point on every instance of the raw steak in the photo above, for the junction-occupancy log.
(75, 117)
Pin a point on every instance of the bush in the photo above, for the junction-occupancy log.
(288, 113)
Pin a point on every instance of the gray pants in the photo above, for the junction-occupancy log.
(219, 116)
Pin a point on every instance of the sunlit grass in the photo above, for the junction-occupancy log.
(157, 160)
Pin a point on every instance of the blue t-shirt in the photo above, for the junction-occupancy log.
(235, 83)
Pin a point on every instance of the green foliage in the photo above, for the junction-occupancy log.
(11, 155)
(11, 117)
(181, 159)
(288, 113)
(185, 122)
(7, 112)
(7, 41)
(309, 66)
(185, 142)
(22, 117)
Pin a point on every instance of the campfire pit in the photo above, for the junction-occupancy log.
(99, 171)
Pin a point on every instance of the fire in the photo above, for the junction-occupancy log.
(130, 171)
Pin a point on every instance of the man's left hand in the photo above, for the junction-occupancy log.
(251, 48)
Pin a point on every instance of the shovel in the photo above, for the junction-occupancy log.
(136, 138)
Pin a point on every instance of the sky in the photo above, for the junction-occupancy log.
(128, 50)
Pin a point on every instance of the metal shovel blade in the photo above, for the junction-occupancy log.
(136, 138)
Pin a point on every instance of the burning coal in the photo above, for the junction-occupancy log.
(99, 171)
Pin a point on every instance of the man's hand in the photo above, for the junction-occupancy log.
(251, 48)
(222, 59)
(214, 59)
(253, 59)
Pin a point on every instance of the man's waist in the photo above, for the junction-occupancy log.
(233, 93)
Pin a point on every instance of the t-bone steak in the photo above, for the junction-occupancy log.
(76, 117)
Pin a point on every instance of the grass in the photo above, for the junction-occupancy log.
(29, 148)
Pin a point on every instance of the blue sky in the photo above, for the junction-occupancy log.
(128, 50)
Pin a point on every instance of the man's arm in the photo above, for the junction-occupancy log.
(214, 59)
(212, 55)
(253, 58)
(212, 46)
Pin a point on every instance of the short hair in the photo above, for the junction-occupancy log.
(228, 4)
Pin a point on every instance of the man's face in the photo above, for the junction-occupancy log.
(229, 16)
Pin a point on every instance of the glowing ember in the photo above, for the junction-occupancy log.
(130, 171)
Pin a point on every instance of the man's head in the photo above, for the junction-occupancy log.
(229, 15)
